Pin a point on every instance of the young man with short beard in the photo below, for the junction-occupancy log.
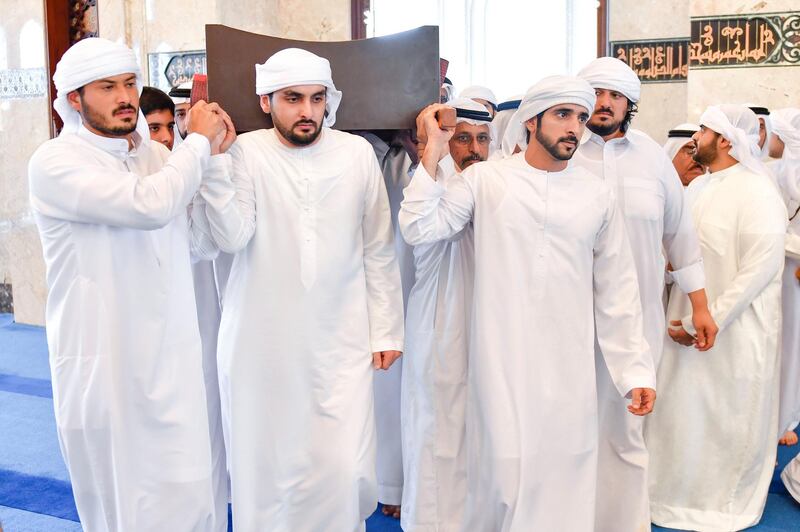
(712, 440)
(651, 199)
(313, 305)
(125, 355)
(552, 261)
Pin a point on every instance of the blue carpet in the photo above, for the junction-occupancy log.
(35, 494)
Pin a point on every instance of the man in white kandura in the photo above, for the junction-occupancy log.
(784, 149)
(712, 439)
(651, 199)
(312, 305)
(125, 355)
(435, 371)
(552, 261)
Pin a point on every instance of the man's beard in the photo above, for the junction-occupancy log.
(298, 139)
(552, 146)
(707, 155)
(605, 129)
(99, 123)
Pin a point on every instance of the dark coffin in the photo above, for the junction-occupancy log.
(385, 81)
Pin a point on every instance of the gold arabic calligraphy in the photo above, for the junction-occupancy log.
(654, 61)
(733, 45)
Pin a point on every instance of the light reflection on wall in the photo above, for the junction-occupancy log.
(506, 45)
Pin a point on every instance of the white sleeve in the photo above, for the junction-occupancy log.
(65, 187)
(384, 288)
(230, 201)
(431, 212)
(617, 308)
(680, 238)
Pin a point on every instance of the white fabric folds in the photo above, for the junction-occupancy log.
(89, 60)
(548, 92)
(736, 123)
(479, 91)
(294, 66)
(786, 124)
(612, 74)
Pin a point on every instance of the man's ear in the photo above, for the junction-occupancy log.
(265, 103)
(74, 99)
(722, 142)
(530, 124)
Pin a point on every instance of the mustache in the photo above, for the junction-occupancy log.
(304, 123)
(124, 107)
(604, 110)
(571, 138)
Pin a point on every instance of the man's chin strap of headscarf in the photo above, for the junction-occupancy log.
(89, 60)
(736, 123)
(548, 92)
(293, 66)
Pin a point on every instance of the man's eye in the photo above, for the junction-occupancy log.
(153, 128)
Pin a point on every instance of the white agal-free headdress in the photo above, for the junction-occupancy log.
(294, 66)
(547, 93)
(786, 124)
(739, 125)
(612, 74)
(89, 60)
(479, 91)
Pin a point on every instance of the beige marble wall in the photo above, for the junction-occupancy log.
(662, 105)
(23, 127)
(771, 87)
(151, 26)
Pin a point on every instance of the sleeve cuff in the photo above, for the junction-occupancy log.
(638, 382)
(425, 184)
(792, 246)
(389, 344)
(217, 184)
(200, 145)
(688, 325)
(690, 278)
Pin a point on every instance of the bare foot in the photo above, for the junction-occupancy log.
(391, 510)
(789, 438)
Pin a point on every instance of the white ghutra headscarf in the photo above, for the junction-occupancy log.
(548, 92)
(293, 66)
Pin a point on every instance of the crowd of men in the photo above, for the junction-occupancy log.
(226, 314)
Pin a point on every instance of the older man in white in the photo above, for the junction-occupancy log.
(313, 304)
(552, 261)
(435, 371)
(712, 440)
(111, 207)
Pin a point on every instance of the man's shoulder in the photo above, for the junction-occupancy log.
(644, 142)
(55, 150)
(343, 139)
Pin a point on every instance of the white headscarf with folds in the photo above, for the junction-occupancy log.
(674, 144)
(479, 91)
(612, 74)
(739, 125)
(293, 66)
(786, 124)
(547, 93)
(89, 60)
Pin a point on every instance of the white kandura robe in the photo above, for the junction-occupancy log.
(122, 331)
(712, 436)
(208, 316)
(435, 380)
(551, 259)
(394, 163)
(314, 290)
(651, 197)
